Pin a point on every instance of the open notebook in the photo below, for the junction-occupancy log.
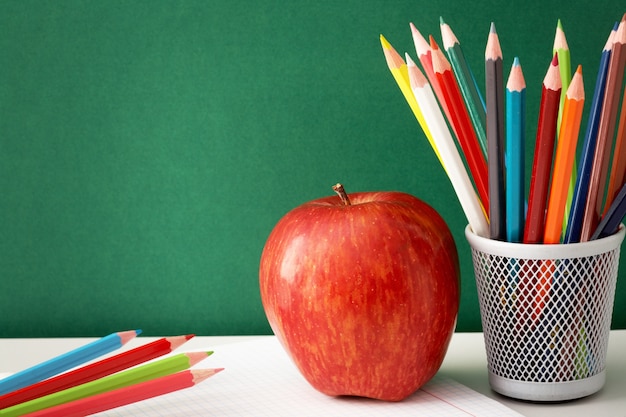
(260, 380)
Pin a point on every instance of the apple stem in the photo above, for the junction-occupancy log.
(338, 188)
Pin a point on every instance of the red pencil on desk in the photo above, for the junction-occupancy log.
(128, 395)
(544, 151)
(94, 371)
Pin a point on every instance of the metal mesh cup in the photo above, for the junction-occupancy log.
(546, 314)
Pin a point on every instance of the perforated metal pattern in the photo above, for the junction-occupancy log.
(546, 320)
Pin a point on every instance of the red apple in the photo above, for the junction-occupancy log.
(363, 292)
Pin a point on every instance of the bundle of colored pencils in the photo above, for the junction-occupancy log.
(52, 389)
(566, 202)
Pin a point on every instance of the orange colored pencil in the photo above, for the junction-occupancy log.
(460, 120)
(606, 129)
(564, 159)
(544, 152)
(94, 371)
(128, 395)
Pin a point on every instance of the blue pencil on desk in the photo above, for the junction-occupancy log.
(66, 361)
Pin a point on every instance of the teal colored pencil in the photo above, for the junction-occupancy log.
(122, 379)
(514, 153)
(467, 83)
(66, 361)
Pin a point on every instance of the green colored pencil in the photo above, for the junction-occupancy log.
(561, 50)
(122, 379)
(467, 83)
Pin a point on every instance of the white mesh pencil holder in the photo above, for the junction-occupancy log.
(546, 314)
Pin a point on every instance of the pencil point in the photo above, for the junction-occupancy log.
(441, 22)
(384, 42)
(492, 28)
(555, 60)
(432, 42)
(516, 62)
(189, 336)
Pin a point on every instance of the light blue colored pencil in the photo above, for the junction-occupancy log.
(514, 152)
(66, 361)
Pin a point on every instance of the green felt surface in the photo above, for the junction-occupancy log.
(147, 148)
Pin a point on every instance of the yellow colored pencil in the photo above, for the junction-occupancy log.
(398, 69)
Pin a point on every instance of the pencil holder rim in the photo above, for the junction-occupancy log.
(545, 251)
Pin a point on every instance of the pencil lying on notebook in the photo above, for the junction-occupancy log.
(94, 371)
(122, 379)
(128, 395)
(66, 361)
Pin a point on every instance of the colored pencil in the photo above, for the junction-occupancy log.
(561, 49)
(461, 121)
(398, 70)
(467, 82)
(618, 166)
(564, 159)
(94, 371)
(613, 217)
(128, 395)
(125, 378)
(581, 190)
(606, 130)
(544, 150)
(66, 361)
(515, 152)
(494, 82)
(424, 55)
(445, 143)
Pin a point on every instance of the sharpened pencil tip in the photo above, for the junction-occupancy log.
(189, 336)
(384, 42)
(432, 42)
(555, 60)
(492, 28)
(441, 22)
(516, 62)
(559, 25)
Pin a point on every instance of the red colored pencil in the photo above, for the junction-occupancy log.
(94, 371)
(606, 130)
(461, 122)
(544, 151)
(128, 395)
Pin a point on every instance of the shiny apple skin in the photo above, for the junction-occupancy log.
(363, 297)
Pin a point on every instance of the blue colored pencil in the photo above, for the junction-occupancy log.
(514, 153)
(581, 190)
(613, 217)
(66, 361)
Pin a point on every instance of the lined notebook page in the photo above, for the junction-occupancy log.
(259, 380)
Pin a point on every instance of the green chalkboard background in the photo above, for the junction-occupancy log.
(147, 148)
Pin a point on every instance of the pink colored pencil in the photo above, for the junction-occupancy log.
(128, 395)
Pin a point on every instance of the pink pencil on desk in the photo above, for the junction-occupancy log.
(128, 395)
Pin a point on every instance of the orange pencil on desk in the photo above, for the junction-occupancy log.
(564, 159)
(544, 151)
(94, 370)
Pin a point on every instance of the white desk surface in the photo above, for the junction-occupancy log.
(465, 362)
